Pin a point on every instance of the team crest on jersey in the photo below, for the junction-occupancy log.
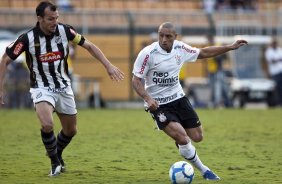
(58, 39)
(162, 117)
(50, 57)
(178, 59)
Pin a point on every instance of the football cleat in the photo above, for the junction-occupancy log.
(63, 169)
(209, 175)
(55, 170)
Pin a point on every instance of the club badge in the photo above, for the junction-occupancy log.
(58, 39)
(162, 117)
(178, 59)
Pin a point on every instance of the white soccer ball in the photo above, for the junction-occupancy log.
(181, 172)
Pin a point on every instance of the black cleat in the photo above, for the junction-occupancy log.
(63, 169)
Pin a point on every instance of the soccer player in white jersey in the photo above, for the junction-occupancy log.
(159, 65)
(46, 50)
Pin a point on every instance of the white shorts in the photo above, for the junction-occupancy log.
(61, 99)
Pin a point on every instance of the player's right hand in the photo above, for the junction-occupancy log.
(152, 105)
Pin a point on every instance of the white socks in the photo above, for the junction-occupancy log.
(188, 151)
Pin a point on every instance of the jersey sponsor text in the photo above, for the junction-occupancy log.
(162, 79)
(50, 57)
(188, 50)
(167, 98)
(18, 48)
(144, 64)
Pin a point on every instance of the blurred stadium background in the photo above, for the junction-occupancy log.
(122, 27)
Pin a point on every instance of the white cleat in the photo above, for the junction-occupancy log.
(55, 170)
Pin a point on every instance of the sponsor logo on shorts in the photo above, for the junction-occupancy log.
(162, 117)
(38, 95)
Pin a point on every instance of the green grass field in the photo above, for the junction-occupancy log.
(123, 147)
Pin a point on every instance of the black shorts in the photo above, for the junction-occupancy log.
(180, 111)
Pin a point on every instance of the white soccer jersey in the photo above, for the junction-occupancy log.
(161, 69)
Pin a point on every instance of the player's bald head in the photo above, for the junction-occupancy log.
(167, 25)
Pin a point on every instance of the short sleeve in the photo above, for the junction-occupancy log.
(17, 47)
(190, 53)
(73, 36)
(141, 65)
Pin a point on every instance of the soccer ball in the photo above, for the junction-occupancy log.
(181, 172)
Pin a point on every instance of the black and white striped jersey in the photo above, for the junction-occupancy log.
(46, 56)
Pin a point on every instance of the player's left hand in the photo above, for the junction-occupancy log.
(238, 44)
(115, 73)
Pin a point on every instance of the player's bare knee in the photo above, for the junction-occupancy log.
(72, 133)
(47, 128)
(182, 140)
(197, 138)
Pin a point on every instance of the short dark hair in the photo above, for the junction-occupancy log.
(43, 5)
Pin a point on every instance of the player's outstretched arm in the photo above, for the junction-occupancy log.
(115, 73)
(5, 60)
(213, 51)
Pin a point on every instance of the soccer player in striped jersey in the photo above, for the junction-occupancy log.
(46, 50)
(159, 65)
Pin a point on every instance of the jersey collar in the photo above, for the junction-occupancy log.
(162, 51)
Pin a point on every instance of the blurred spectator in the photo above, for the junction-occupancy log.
(243, 5)
(217, 79)
(223, 5)
(64, 5)
(236, 5)
(18, 86)
(209, 6)
(273, 56)
(91, 101)
(250, 5)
